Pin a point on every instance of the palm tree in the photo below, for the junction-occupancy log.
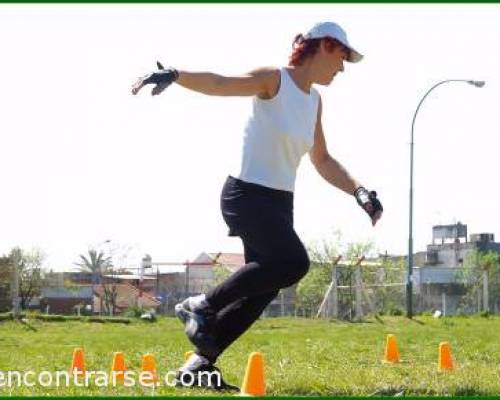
(95, 263)
(98, 265)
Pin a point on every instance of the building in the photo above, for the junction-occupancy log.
(437, 273)
(127, 296)
(449, 249)
(61, 300)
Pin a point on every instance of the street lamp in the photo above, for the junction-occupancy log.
(409, 284)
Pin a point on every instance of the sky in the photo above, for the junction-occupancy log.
(84, 162)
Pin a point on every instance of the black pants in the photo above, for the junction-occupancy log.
(274, 255)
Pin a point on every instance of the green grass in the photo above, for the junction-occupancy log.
(302, 356)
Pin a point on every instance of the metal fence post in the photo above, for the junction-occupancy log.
(357, 275)
(486, 302)
(334, 300)
(15, 288)
(443, 302)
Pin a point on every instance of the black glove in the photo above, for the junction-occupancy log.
(161, 79)
(369, 202)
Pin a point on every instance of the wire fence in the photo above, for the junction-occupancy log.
(356, 291)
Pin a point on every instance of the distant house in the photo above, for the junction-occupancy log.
(58, 278)
(61, 300)
(165, 282)
(127, 296)
(201, 272)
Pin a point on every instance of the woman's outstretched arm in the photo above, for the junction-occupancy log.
(262, 82)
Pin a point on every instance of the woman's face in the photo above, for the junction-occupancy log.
(329, 63)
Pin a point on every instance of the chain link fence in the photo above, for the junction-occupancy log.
(356, 291)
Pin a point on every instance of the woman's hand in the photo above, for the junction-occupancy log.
(161, 79)
(369, 202)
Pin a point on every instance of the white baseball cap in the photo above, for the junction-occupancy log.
(334, 31)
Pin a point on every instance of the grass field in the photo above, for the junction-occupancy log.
(302, 357)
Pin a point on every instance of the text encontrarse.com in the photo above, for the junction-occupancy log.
(100, 378)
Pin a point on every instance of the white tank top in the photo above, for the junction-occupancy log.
(278, 133)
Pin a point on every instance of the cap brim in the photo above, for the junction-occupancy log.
(354, 56)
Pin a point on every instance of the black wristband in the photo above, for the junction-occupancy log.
(362, 195)
(176, 74)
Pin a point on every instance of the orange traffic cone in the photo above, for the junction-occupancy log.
(391, 350)
(254, 380)
(118, 367)
(78, 362)
(445, 362)
(149, 366)
(188, 354)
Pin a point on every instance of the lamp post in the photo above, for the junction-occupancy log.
(409, 284)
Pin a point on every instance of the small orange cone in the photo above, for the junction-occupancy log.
(78, 362)
(391, 350)
(149, 365)
(445, 362)
(254, 380)
(188, 354)
(118, 367)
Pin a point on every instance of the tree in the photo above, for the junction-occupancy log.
(325, 250)
(95, 263)
(311, 289)
(28, 264)
(98, 265)
(5, 283)
(220, 274)
(390, 299)
(5, 270)
(480, 267)
(355, 250)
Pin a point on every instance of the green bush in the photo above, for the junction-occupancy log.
(111, 320)
(396, 311)
(138, 312)
(55, 318)
(5, 316)
(134, 312)
(65, 318)
(426, 314)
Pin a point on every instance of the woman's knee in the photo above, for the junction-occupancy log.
(298, 268)
(303, 266)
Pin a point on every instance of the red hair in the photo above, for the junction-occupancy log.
(304, 48)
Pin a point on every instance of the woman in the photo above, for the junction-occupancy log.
(257, 202)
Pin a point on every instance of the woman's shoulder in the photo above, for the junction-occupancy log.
(268, 73)
(267, 70)
(272, 78)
